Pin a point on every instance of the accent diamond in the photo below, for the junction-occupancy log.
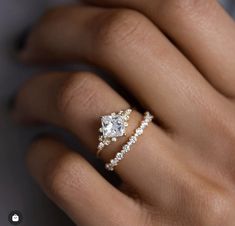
(101, 145)
(139, 131)
(119, 155)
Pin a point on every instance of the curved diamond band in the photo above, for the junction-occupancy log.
(132, 140)
(112, 127)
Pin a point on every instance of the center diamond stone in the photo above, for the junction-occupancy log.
(113, 126)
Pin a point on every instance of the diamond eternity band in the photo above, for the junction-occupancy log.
(132, 140)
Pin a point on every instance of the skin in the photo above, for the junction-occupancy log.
(176, 58)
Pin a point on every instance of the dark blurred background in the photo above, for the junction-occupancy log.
(17, 189)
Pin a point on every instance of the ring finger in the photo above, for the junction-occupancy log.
(76, 102)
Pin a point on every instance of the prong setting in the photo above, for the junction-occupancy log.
(112, 127)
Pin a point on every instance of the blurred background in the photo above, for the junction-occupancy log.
(17, 190)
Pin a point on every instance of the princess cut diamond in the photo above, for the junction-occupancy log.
(113, 126)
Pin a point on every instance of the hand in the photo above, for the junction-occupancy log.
(181, 67)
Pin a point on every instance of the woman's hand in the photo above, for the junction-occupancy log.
(177, 59)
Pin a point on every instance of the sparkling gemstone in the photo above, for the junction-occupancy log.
(133, 139)
(113, 126)
(139, 131)
(101, 145)
(119, 156)
(114, 162)
(108, 167)
(106, 142)
(143, 125)
(126, 148)
(130, 142)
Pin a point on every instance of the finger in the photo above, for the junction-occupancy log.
(138, 54)
(76, 102)
(78, 189)
(201, 29)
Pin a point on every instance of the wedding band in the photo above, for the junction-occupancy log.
(112, 127)
(132, 140)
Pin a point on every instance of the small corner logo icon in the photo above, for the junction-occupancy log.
(15, 218)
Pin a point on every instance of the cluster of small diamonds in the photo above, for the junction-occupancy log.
(132, 140)
(105, 141)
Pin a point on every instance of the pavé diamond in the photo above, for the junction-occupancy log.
(119, 155)
(113, 126)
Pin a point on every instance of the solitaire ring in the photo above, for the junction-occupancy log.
(113, 126)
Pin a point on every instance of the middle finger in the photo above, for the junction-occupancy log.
(129, 45)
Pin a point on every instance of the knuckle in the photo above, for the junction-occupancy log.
(63, 176)
(221, 126)
(191, 7)
(78, 90)
(119, 27)
(191, 4)
(218, 209)
(208, 201)
(217, 120)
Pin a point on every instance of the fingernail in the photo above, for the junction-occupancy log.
(22, 40)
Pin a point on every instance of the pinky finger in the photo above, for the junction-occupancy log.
(74, 185)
